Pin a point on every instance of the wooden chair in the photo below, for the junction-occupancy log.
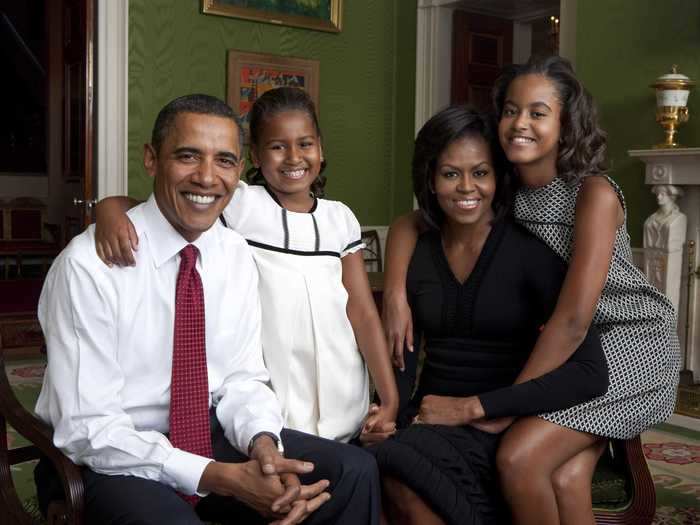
(630, 464)
(40, 436)
(372, 252)
(625, 464)
(26, 237)
(628, 454)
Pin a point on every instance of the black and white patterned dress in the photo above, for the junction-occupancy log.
(637, 324)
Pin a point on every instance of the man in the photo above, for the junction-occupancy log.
(141, 357)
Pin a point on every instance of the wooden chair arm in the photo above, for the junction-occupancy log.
(643, 506)
(40, 435)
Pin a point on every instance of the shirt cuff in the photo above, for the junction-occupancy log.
(183, 471)
(254, 428)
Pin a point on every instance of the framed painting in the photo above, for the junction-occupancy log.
(322, 15)
(251, 74)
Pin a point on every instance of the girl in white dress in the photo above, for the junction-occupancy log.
(320, 327)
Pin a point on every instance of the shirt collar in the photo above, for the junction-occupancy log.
(164, 241)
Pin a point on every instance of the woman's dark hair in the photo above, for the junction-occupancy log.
(582, 143)
(443, 128)
(271, 103)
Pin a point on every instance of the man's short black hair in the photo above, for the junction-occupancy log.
(197, 103)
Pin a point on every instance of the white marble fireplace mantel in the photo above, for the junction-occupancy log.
(681, 167)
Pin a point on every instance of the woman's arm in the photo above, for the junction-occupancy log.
(396, 314)
(363, 316)
(115, 236)
(581, 378)
(598, 216)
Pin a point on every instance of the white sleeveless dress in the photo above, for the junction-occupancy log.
(309, 346)
(637, 324)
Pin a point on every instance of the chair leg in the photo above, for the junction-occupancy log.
(57, 514)
(13, 512)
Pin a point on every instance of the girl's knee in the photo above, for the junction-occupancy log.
(575, 476)
(513, 461)
(572, 490)
(569, 481)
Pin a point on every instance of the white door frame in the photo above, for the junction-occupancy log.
(433, 58)
(112, 97)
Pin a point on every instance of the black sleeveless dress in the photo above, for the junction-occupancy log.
(477, 336)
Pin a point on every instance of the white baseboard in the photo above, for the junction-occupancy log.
(679, 420)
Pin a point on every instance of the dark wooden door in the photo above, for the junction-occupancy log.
(481, 46)
(49, 45)
(71, 107)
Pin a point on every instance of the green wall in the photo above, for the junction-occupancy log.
(367, 86)
(622, 46)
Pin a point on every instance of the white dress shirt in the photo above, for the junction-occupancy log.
(109, 336)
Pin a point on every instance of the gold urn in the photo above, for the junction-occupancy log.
(672, 92)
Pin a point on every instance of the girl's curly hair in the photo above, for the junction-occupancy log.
(275, 101)
(582, 143)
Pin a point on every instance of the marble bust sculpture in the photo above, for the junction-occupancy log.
(664, 237)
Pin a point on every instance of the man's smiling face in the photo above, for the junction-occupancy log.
(196, 170)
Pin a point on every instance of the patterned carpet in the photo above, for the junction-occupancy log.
(673, 454)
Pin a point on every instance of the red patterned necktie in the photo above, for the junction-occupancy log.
(189, 389)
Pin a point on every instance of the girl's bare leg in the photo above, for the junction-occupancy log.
(572, 486)
(530, 453)
(402, 506)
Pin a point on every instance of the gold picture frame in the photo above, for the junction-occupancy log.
(329, 16)
(249, 75)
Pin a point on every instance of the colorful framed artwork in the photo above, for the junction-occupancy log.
(322, 15)
(251, 74)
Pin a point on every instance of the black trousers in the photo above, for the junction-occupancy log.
(122, 500)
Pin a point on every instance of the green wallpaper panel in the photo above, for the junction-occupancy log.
(367, 86)
(404, 118)
(621, 47)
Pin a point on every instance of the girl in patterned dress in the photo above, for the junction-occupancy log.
(320, 327)
(549, 131)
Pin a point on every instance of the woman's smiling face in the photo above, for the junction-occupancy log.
(465, 181)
